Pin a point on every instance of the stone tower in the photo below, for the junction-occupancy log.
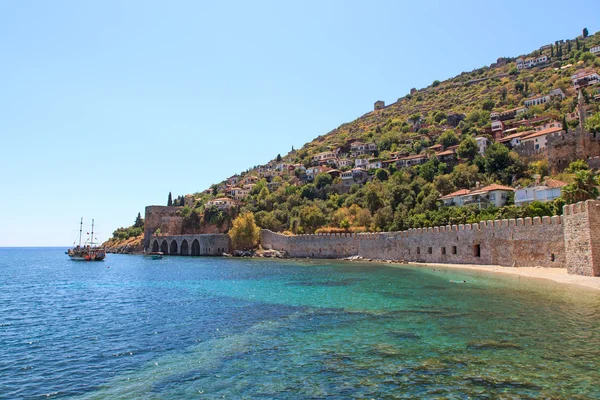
(581, 110)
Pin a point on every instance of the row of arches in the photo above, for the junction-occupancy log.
(174, 248)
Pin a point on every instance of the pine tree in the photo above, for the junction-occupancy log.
(568, 47)
(278, 157)
(526, 87)
(551, 50)
(576, 43)
(139, 222)
(585, 32)
(564, 124)
(170, 201)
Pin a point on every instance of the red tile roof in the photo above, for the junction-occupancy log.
(460, 192)
(493, 187)
(553, 183)
(543, 132)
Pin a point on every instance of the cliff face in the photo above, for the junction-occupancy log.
(126, 246)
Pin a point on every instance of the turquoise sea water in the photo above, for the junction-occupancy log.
(182, 327)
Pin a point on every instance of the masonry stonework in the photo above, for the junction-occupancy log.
(582, 238)
(190, 245)
(571, 241)
(164, 218)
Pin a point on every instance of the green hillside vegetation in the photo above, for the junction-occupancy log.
(452, 112)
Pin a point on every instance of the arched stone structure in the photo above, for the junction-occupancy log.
(184, 248)
(195, 248)
(194, 244)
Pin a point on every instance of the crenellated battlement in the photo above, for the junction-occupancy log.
(581, 207)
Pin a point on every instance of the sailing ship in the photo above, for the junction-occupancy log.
(87, 252)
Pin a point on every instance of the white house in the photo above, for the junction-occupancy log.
(345, 162)
(585, 78)
(494, 194)
(514, 139)
(325, 156)
(356, 175)
(412, 160)
(549, 191)
(532, 62)
(361, 162)
(482, 144)
(455, 198)
(497, 126)
(595, 50)
(538, 100)
(374, 164)
(222, 203)
(359, 148)
(538, 138)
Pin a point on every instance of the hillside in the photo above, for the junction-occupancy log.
(436, 156)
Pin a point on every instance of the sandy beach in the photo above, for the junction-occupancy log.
(559, 275)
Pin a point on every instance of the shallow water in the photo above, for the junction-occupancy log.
(182, 327)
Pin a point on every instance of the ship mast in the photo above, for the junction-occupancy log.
(92, 237)
(80, 230)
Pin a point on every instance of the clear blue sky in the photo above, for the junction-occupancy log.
(106, 106)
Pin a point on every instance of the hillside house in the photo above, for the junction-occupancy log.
(532, 62)
(354, 176)
(223, 203)
(412, 160)
(361, 162)
(345, 162)
(374, 164)
(359, 148)
(325, 157)
(455, 198)
(595, 50)
(312, 172)
(232, 180)
(250, 180)
(508, 114)
(538, 138)
(497, 126)
(539, 100)
(585, 78)
(446, 156)
(379, 104)
(494, 195)
(240, 194)
(550, 190)
(334, 173)
(482, 144)
(514, 139)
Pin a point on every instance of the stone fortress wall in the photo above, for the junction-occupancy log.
(571, 241)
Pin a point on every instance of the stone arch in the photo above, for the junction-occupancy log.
(164, 247)
(195, 247)
(155, 246)
(173, 247)
(184, 250)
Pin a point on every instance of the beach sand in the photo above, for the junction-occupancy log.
(555, 274)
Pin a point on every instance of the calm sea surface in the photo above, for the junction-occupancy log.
(131, 327)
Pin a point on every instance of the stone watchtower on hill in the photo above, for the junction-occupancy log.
(379, 104)
(581, 110)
